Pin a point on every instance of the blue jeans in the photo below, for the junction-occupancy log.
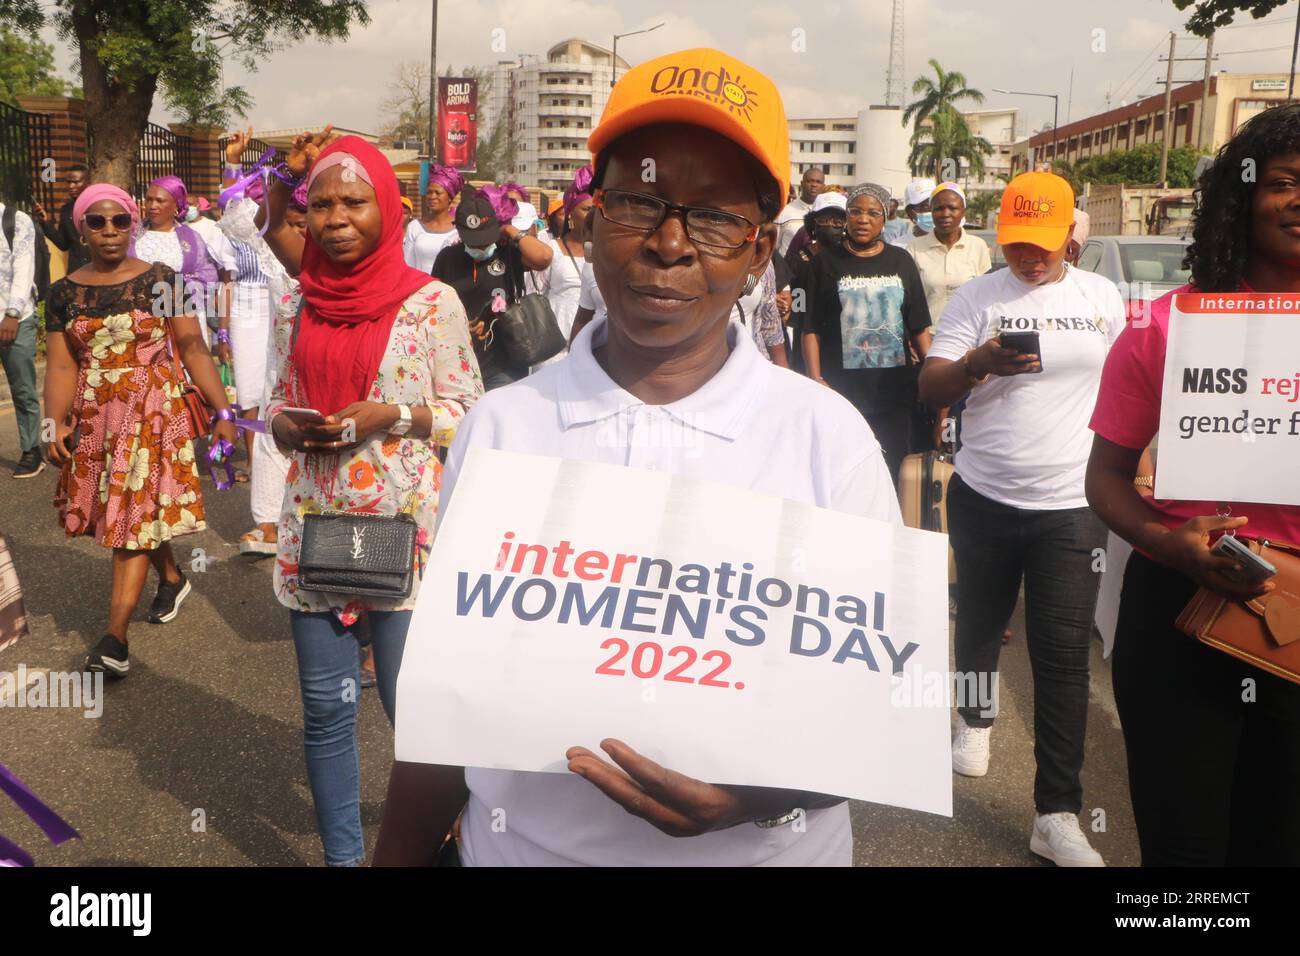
(328, 673)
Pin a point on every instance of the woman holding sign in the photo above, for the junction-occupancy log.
(671, 254)
(376, 372)
(1213, 742)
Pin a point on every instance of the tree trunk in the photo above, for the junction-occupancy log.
(116, 114)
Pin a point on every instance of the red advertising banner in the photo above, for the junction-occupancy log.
(458, 122)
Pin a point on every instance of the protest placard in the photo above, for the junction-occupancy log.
(1230, 411)
(732, 636)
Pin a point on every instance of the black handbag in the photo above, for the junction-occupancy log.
(345, 552)
(527, 329)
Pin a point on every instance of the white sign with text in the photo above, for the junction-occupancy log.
(1230, 411)
(732, 636)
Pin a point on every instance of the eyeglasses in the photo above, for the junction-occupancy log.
(866, 213)
(96, 221)
(708, 227)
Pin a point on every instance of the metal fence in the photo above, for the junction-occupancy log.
(161, 153)
(27, 169)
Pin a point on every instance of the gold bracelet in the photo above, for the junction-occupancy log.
(1145, 481)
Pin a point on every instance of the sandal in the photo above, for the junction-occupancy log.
(241, 476)
(255, 542)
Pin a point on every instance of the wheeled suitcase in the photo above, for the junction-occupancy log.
(923, 495)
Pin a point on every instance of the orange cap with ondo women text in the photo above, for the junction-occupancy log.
(1037, 208)
(703, 87)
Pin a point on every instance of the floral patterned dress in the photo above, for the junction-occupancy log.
(132, 482)
(429, 361)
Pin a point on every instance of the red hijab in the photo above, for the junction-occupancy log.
(348, 310)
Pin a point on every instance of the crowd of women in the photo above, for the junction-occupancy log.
(360, 337)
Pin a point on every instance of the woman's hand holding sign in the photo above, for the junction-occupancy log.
(676, 804)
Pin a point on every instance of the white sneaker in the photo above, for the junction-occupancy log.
(970, 749)
(1057, 837)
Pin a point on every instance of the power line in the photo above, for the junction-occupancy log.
(1258, 23)
(1267, 49)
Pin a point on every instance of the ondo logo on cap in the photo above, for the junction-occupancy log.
(716, 86)
(1033, 208)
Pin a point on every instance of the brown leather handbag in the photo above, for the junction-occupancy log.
(1264, 631)
(197, 409)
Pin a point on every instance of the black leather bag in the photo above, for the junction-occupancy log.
(527, 329)
(345, 552)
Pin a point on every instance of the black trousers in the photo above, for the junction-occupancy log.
(995, 546)
(1214, 775)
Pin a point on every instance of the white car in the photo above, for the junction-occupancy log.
(1143, 268)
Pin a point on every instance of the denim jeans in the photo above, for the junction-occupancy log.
(328, 674)
(995, 545)
(19, 361)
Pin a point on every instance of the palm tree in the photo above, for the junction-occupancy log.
(935, 96)
(947, 137)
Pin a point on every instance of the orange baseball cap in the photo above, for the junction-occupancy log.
(703, 87)
(1037, 208)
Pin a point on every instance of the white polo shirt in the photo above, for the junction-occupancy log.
(753, 425)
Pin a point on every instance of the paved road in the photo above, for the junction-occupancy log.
(207, 728)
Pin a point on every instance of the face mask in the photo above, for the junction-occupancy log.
(829, 235)
(481, 255)
(925, 220)
(191, 214)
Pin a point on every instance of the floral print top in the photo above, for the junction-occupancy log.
(429, 361)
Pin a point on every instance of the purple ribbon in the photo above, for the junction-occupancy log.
(54, 826)
(221, 451)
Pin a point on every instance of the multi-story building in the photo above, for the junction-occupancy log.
(1233, 99)
(551, 105)
(873, 145)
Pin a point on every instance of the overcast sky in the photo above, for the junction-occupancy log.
(1014, 44)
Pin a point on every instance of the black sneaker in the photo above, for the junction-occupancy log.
(30, 464)
(108, 656)
(167, 603)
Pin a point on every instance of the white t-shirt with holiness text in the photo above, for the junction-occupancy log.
(752, 425)
(1025, 438)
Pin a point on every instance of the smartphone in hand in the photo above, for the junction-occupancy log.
(303, 416)
(1026, 343)
(1254, 569)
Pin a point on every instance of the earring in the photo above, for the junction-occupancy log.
(751, 283)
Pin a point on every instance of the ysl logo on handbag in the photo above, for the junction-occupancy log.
(357, 535)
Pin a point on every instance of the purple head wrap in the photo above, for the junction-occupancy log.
(299, 199)
(579, 190)
(504, 205)
(175, 187)
(448, 178)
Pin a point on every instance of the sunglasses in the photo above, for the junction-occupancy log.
(96, 221)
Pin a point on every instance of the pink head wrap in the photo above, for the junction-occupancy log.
(175, 187)
(505, 205)
(579, 190)
(341, 158)
(448, 178)
(100, 191)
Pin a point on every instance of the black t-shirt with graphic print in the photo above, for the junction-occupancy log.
(864, 310)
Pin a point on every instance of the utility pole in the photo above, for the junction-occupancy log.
(433, 89)
(1169, 90)
(1205, 93)
(1295, 46)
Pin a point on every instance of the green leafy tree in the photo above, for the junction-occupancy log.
(983, 203)
(1209, 15)
(947, 139)
(1136, 166)
(939, 131)
(27, 69)
(130, 50)
(943, 91)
